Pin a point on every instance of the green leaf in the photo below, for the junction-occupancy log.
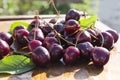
(87, 22)
(15, 64)
(18, 23)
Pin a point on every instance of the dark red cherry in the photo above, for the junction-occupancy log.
(71, 26)
(85, 49)
(105, 39)
(37, 34)
(93, 34)
(100, 56)
(48, 41)
(21, 36)
(59, 27)
(114, 34)
(47, 28)
(71, 55)
(33, 44)
(72, 14)
(51, 34)
(17, 28)
(36, 23)
(56, 52)
(83, 37)
(53, 20)
(6, 37)
(40, 56)
(4, 48)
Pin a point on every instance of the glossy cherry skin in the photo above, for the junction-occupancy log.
(17, 28)
(51, 34)
(72, 14)
(40, 56)
(47, 28)
(53, 21)
(21, 36)
(93, 34)
(33, 44)
(56, 52)
(70, 39)
(83, 37)
(4, 48)
(114, 34)
(71, 55)
(71, 26)
(37, 34)
(105, 39)
(59, 27)
(6, 37)
(36, 24)
(85, 49)
(48, 41)
(100, 56)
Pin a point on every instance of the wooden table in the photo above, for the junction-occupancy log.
(58, 71)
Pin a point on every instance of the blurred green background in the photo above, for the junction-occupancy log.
(28, 7)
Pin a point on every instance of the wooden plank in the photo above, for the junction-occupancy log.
(26, 17)
(29, 17)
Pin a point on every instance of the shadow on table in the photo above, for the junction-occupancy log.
(81, 70)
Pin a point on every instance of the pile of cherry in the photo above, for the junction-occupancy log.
(52, 41)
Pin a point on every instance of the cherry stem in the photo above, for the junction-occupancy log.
(23, 48)
(97, 30)
(73, 32)
(78, 37)
(34, 35)
(37, 22)
(26, 38)
(93, 35)
(53, 4)
(63, 38)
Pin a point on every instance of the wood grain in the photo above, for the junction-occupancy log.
(81, 71)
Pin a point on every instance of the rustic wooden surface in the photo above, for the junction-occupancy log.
(81, 71)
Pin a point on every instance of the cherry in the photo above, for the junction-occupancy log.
(62, 22)
(71, 26)
(21, 36)
(59, 27)
(6, 37)
(48, 41)
(105, 39)
(114, 34)
(17, 28)
(70, 39)
(40, 56)
(4, 48)
(37, 34)
(36, 23)
(71, 55)
(83, 37)
(47, 28)
(93, 34)
(72, 14)
(100, 56)
(53, 20)
(33, 44)
(56, 52)
(51, 34)
(85, 49)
